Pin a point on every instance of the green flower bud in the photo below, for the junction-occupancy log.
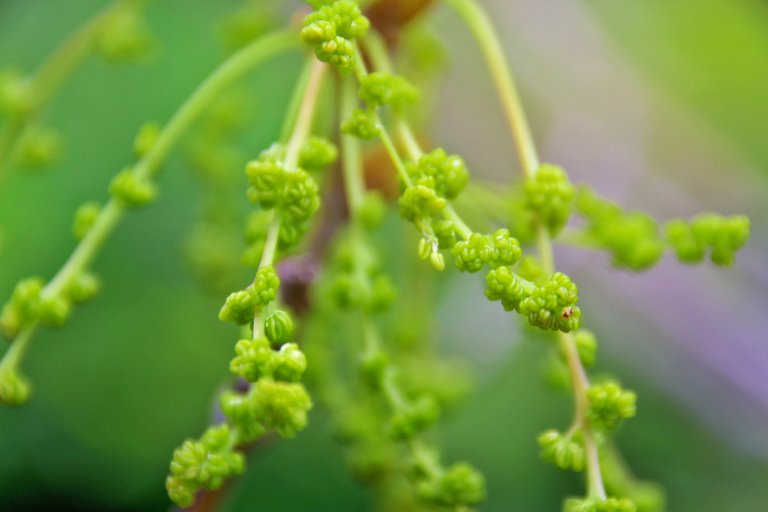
(379, 88)
(288, 364)
(550, 194)
(563, 451)
(318, 32)
(344, 15)
(317, 154)
(281, 406)
(83, 287)
(38, 148)
(15, 389)
(131, 191)
(124, 37)
(460, 486)
(553, 305)
(338, 52)
(54, 311)
(266, 179)
(446, 174)
(265, 286)
(23, 308)
(631, 237)
(505, 286)
(609, 405)
(85, 218)
(146, 138)
(420, 201)
(239, 411)
(252, 359)
(180, 491)
(586, 345)
(279, 327)
(414, 419)
(723, 235)
(437, 261)
(16, 95)
(362, 125)
(239, 308)
(499, 249)
(381, 294)
(203, 464)
(373, 366)
(372, 210)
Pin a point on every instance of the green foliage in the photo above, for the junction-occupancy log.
(599, 505)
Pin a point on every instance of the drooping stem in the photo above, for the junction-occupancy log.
(231, 70)
(485, 34)
(50, 76)
(303, 112)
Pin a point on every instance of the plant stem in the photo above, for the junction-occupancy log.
(307, 90)
(231, 70)
(486, 36)
(50, 76)
(354, 187)
(305, 116)
(296, 100)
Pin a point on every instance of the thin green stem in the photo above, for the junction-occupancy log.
(296, 100)
(484, 32)
(352, 168)
(393, 154)
(308, 91)
(231, 70)
(305, 116)
(486, 36)
(16, 351)
(50, 76)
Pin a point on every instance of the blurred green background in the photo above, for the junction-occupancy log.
(135, 371)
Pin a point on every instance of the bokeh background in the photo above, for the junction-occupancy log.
(662, 105)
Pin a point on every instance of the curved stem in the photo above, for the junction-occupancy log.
(485, 34)
(51, 75)
(223, 77)
(303, 111)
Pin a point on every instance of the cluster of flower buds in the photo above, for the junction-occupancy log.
(632, 238)
(458, 486)
(124, 35)
(203, 464)
(564, 451)
(355, 279)
(550, 195)
(293, 193)
(332, 29)
(30, 304)
(437, 178)
(549, 305)
(496, 250)
(609, 405)
(723, 236)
